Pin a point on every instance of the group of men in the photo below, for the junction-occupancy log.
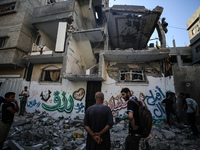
(188, 104)
(8, 107)
(99, 119)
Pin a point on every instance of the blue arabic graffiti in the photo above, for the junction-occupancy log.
(155, 100)
(33, 103)
(79, 107)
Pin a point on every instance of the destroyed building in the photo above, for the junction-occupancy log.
(66, 50)
(193, 27)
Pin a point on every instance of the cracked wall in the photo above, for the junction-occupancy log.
(151, 69)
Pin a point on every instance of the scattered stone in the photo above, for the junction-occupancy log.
(14, 145)
(40, 131)
(168, 134)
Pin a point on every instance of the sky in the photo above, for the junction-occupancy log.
(176, 12)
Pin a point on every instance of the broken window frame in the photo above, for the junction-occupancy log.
(48, 73)
(132, 76)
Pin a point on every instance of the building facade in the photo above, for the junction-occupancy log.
(79, 47)
(16, 37)
(193, 27)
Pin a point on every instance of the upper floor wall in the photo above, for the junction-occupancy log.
(80, 14)
(16, 30)
(193, 27)
(15, 24)
(193, 24)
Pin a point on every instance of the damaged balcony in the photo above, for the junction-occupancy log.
(43, 59)
(131, 26)
(82, 65)
(134, 56)
(47, 18)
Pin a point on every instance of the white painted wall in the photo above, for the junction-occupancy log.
(75, 63)
(154, 93)
(79, 57)
(47, 98)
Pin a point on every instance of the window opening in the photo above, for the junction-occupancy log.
(132, 75)
(198, 49)
(7, 7)
(38, 39)
(2, 42)
(193, 31)
(50, 74)
(51, 1)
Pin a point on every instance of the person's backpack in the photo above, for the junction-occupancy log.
(145, 119)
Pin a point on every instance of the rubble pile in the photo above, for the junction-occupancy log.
(175, 138)
(39, 131)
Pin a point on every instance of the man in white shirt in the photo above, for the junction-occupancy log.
(23, 100)
(192, 113)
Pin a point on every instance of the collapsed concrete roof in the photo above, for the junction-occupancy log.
(131, 26)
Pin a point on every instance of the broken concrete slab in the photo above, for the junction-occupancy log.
(14, 145)
(168, 134)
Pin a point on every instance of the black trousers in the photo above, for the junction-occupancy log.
(132, 142)
(192, 122)
(22, 107)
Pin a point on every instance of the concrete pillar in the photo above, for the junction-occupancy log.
(178, 57)
(61, 35)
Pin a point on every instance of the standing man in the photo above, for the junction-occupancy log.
(97, 122)
(183, 107)
(9, 107)
(192, 113)
(23, 100)
(132, 140)
(168, 103)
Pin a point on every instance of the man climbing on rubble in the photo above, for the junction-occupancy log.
(97, 122)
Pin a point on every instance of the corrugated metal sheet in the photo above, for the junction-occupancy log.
(11, 85)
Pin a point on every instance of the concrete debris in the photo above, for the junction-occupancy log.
(39, 131)
(14, 145)
(168, 134)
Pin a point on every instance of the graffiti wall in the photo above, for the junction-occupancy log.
(69, 99)
(150, 95)
(57, 100)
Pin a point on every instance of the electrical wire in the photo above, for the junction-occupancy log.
(177, 28)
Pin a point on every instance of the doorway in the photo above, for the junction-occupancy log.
(92, 88)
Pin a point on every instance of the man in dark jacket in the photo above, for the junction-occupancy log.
(168, 103)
